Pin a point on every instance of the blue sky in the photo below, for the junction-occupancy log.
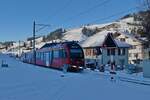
(17, 16)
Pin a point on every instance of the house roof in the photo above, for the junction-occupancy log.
(133, 37)
(98, 40)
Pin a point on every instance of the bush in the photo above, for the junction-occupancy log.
(88, 32)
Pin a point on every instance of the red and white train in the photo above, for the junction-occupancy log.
(56, 55)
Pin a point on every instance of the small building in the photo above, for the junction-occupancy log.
(140, 49)
(146, 68)
(103, 49)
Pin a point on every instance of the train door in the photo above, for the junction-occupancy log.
(47, 59)
(50, 58)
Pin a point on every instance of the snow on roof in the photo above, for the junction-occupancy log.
(96, 40)
(25, 51)
(99, 38)
(40, 45)
(131, 36)
(122, 44)
(128, 35)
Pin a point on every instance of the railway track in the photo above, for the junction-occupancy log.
(137, 81)
(127, 79)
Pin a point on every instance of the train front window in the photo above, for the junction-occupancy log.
(76, 53)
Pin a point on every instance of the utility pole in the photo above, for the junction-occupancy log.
(34, 51)
(19, 49)
(34, 31)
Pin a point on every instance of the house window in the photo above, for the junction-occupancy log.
(145, 46)
(136, 55)
(130, 54)
(110, 52)
(134, 47)
(88, 52)
(94, 51)
(99, 52)
(121, 51)
(122, 39)
(134, 40)
(124, 51)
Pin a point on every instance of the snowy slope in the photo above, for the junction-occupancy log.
(74, 35)
(98, 25)
(123, 26)
(28, 82)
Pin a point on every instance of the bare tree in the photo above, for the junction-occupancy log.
(147, 4)
(146, 18)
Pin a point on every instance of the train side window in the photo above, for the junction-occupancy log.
(56, 54)
(42, 56)
(62, 53)
(25, 55)
(38, 55)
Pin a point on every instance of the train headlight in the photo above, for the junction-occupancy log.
(74, 66)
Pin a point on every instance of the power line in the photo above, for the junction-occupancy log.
(147, 4)
(59, 11)
(89, 10)
(111, 16)
(42, 27)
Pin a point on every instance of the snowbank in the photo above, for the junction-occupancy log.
(22, 81)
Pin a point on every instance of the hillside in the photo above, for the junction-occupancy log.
(93, 33)
(90, 34)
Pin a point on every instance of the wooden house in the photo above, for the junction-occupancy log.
(103, 48)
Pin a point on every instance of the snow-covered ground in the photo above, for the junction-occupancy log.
(22, 81)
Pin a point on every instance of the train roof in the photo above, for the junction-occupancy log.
(48, 45)
(55, 43)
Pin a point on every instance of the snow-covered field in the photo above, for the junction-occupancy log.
(28, 82)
